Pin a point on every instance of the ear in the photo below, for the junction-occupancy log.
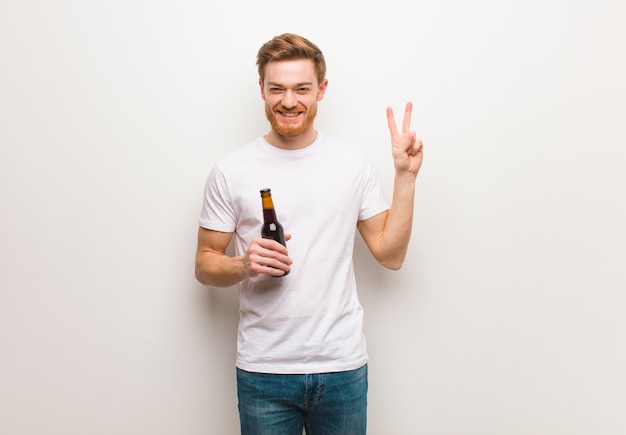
(262, 89)
(322, 90)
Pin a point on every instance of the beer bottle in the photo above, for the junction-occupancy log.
(272, 229)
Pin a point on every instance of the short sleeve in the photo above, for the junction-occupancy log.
(373, 202)
(217, 209)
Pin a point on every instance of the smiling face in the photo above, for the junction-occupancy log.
(291, 91)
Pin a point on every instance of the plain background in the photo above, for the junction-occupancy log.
(509, 314)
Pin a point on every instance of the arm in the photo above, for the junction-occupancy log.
(215, 268)
(387, 234)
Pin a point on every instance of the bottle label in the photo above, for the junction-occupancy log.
(272, 227)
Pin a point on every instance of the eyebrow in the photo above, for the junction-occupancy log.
(297, 84)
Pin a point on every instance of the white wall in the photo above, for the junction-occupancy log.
(508, 317)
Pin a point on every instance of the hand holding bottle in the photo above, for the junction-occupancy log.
(270, 252)
(267, 256)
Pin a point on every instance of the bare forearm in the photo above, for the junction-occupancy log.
(407, 151)
(394, 239)
(219, 270)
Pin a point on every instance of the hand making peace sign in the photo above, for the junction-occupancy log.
(406, 148)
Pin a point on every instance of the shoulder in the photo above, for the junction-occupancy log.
(241, 159)
(247, 151)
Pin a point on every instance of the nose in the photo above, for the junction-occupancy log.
(289, 99)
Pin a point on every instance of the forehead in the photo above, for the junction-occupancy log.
(291, 72)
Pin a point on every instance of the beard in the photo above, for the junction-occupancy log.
(288, 129)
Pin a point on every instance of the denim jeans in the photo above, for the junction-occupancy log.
(323, 404)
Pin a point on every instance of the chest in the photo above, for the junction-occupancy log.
(301, 190)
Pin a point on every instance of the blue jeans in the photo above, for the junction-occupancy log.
(323, 404)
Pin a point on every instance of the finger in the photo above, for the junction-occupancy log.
(272, 245)
(418, 147)
(276, 263)
(406, 122)
(393, 129)
(271, 259)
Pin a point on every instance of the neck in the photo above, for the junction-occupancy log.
(296, 142)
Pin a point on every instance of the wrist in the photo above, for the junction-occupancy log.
(405, 176)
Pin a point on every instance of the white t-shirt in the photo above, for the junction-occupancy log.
(309, 321)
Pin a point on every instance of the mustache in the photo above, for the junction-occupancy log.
(298, 108)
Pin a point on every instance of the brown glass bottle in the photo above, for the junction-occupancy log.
(272, 229)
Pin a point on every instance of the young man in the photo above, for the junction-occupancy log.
(301, 355)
